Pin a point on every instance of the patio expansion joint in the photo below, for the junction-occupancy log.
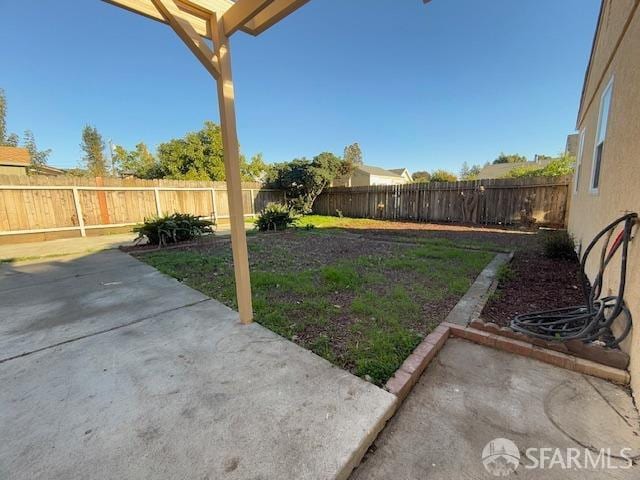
(100, 332)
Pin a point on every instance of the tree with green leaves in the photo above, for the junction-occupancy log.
(560, 166)
(3, 117)
(353, 154)
(12, 140)
(200, 156)
(255, 170)
(469, 172)
(197, 156)
(39, 158)
(139, 162)
(93, 147)
(511, 158)
(421, 176)
(303, 180)
(8, 139)
(443, 176)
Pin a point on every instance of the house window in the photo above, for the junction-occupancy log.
(576, 179)
(601, 134)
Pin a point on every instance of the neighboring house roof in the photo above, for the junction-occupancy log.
(381, 172)
(19, 157)
(47, 170)
(14, 156)
(501, 170)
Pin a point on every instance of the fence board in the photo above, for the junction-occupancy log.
(493, 201)
(124, 201)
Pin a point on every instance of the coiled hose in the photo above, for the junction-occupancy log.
(593, 320)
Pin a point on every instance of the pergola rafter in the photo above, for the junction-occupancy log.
(217, 20)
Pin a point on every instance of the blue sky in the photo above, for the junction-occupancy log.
(417, 86)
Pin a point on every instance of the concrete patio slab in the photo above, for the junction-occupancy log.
(64, 246)
(471, 394)
(56, 301)
(184, 393)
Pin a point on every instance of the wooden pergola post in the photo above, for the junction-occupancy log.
(226, 104)
(217, 20)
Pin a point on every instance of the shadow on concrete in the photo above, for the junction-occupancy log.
(110, 369)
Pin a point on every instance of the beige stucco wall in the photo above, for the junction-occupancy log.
(380, 180)
(357, 179)
(619, 190)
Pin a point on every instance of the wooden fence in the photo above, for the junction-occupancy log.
(496, 201)
(39, 204)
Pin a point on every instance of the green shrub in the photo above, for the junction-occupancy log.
(178, 227)
(558, 244)
(275, 216)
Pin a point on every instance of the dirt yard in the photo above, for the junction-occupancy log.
(361, 294)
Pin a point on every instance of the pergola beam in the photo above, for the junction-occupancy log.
(189, 36)
(250, 16)
(241, 12)
(191, 11)
(271, 15)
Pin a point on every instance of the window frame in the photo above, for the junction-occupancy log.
(576, 175)
(608, 91)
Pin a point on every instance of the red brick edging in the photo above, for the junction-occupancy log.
(409, 372)
(600, 354)
(412, 368)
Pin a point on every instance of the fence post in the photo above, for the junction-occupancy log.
(76, 201)
(156, 192)
(253, 207)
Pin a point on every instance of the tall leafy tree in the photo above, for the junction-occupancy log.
(443, 176)
(38, 157)
(353, 154)
(421, 176)
(93, 147)
(139, 162)
(196, 156)
(6, 138)
(3, 117)
(255, 170)
(12, 140)
(200, 156)
(469, 172)
(303, 179)
(511, 158)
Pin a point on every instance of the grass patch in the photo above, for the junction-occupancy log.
(505, 273)
(361, 304)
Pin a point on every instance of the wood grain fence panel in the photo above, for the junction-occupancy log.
(497, 201)
(126, 201)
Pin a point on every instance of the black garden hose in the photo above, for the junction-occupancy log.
(593, 320)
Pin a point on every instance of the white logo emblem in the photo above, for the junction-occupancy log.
(500, 457)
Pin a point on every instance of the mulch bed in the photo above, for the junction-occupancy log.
(539, 283)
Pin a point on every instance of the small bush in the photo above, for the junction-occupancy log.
(178, 227)
(559, 244)
(275, 216)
